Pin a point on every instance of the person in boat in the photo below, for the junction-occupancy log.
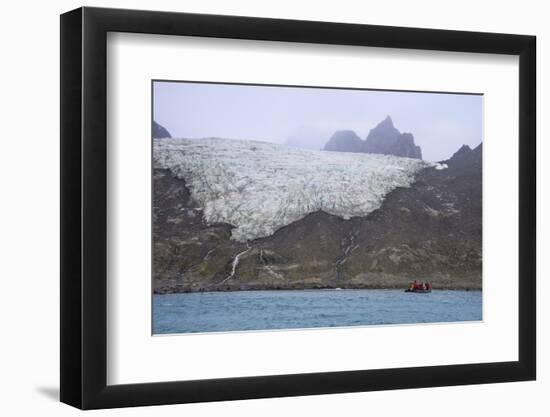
(429, 286)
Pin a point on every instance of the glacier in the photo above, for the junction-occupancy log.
(259, 187)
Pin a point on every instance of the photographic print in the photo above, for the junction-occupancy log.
(288, 207)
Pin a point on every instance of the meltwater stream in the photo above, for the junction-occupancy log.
(268, 310)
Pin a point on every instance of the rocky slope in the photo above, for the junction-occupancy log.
(383, 139)
(428, 229)
(159, 131)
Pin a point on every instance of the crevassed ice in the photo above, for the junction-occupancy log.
(259, 187)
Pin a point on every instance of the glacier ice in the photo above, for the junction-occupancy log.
(259, 187)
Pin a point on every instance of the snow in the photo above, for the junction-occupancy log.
(439, 166)
(259, 187)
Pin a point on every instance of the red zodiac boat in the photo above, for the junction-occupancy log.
(418, 290)
(419, 287)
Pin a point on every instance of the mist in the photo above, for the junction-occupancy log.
(307, 117)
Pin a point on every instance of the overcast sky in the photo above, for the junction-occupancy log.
(307, 117)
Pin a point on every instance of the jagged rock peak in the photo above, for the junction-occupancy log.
(466, 156)
(479, 147)
(383, 139)
(387, 122)
(464, 150)
(386, 139)
(159, 131)
(386, 128)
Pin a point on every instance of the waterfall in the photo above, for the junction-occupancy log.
(235, 264)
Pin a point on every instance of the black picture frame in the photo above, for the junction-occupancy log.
(84, 207)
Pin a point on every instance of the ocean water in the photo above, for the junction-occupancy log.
(265, 310)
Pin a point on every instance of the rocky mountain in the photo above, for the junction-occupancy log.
(386, 139)
(345, 141)
(159, 131)
(383, 139)
(467, 158)
(427, 228)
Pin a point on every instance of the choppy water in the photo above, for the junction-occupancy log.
(264, 310)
